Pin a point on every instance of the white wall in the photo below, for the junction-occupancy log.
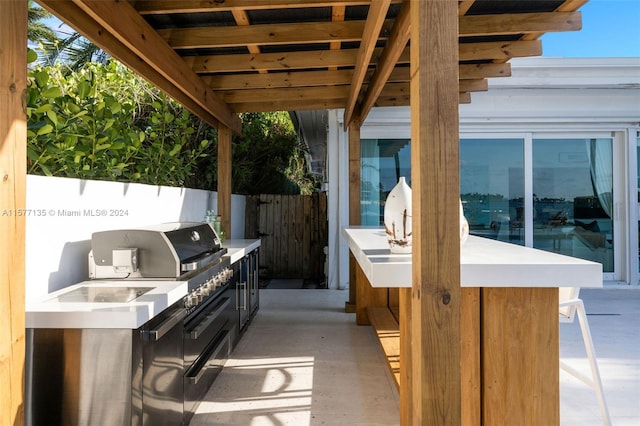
(62, 214)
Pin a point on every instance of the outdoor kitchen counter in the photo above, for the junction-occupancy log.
(483, 263)
(237, 249)
(51, 312)
(509, 321)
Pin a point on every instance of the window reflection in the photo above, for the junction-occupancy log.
(383, 161)
(492, 187)
(573, 198)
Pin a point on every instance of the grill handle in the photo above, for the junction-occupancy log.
(206, 322)
(157, 333)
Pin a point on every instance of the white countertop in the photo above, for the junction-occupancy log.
(50, 312)
(237, 249)
(483, 263)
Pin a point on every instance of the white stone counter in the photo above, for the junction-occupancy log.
(51, 312)
(483, 263)
(237, 249)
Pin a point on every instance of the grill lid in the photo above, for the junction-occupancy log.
(166, 250)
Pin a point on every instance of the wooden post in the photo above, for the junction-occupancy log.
(13, 141)
(224, 178)
(435, 308)
(354, 204)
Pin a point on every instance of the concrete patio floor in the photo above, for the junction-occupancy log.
(303, 361)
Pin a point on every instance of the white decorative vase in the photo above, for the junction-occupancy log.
(397, 218)
(464, 226)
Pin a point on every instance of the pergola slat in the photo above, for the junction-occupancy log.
(147, 7)
(290, 61)
(121, 19)
(372, 28)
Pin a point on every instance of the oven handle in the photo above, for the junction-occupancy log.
(157, 333)
(206, 322)
(221, 340)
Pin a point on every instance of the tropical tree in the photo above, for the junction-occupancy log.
(38, 31)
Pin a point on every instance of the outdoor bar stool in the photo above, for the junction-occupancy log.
(570, 303)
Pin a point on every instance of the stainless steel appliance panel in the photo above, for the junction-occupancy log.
(163, 364)
(81, 377)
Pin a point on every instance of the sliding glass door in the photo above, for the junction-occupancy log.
(552, 192)
(492, 187)
(573, 198)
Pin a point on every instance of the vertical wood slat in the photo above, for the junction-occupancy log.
(404, 323)
(470, 373)
(354, 203)
(307, 214)
(224, 178)
(367, 296)
(13, 137)
(251, 223)
(518, 383)
(276, 231)
(293, 233)
(436, 296)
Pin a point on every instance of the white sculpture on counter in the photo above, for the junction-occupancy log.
(464, 226)
(397, 219)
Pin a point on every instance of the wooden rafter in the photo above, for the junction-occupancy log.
(242, 19)
(519, 23)
(148, 7)
(264, 34)
(289, 61)
(370, 35)
(337, 15)
(388, 60)
(121, 20)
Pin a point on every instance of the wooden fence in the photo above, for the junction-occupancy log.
(293, 230)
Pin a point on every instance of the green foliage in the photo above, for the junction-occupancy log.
(103, 122)
(268, 157)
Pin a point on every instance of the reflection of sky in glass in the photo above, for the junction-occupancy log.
(561, 169)
(492, 167)
(386, 162)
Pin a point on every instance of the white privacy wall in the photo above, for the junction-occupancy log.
(62, 214)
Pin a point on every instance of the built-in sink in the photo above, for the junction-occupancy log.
(96, 294)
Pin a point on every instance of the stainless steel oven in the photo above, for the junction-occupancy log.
(154, 375)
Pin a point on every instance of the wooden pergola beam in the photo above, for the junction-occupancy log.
(398, 39)
(147, 7)
(337, 15)
(277, 105)
(287, 61)
(519, 23)
(308, 94)
(373, 25)
(327, 32)
(122, 20)
(13, 156)
(434, 341)
(224, 178)
(265, 34)
(242, 19)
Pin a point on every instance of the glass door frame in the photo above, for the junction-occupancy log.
(620, 242)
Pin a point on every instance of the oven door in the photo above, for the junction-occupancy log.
(163, 368)
(206, 349)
